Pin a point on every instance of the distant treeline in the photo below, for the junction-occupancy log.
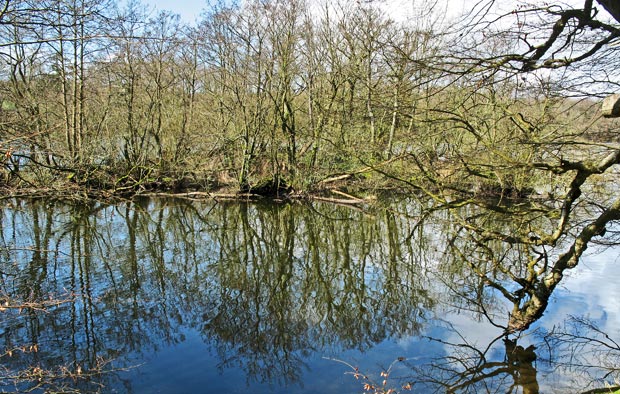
(268, 95)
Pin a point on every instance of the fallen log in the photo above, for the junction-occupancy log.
(611, 106)
(336, 200)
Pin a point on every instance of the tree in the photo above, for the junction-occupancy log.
(520, 74)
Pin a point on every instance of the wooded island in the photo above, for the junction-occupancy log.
(289, 97)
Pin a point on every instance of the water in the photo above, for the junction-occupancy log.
(170, 296)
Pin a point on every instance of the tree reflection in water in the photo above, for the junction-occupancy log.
(265, 286)
(585, 358)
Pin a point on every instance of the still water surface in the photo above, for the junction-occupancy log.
(170, 296)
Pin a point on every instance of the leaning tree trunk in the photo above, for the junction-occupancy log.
(540, 290)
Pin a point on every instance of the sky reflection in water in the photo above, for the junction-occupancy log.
(207, 297)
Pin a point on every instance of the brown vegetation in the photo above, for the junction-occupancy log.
(121, 102)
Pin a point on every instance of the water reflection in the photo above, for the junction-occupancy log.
(264, 284)
(576, 357)
(267, 288)
(499, 366)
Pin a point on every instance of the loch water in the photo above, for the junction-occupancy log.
(178, 296)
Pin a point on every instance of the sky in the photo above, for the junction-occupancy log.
(189, 10)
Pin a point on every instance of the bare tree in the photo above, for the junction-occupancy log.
(497, 64)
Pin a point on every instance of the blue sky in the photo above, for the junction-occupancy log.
(188, 9)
